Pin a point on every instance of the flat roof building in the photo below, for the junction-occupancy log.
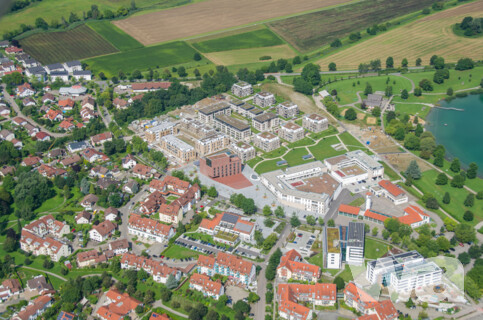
(287, 109)
(264, 99)
(157, 132)
(291, 132)
(315, 123)
(266, 121)
(306, 187)
(177, 148)
(242, 89)
(243, 150)
(332, 248)
(266, 141)
(353, 167)
(211, 144)
(220, 165)
(354, 254)
(207, 114)
(235, 128)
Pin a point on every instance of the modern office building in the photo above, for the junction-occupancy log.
(220, 165)
(354, 248)
(353, 167)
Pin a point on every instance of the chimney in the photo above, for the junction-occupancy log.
(368, 200)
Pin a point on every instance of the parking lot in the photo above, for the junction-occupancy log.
(303, 242)
(200, 246)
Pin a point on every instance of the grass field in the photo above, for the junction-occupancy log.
(310, 31)
(210, 16)
(162, 55)
(253, 55)
(294, 157)
(179, 252)
(78, 43)
(269, 165)
(413, 109)
(252, 39)
(114, 35)
(323, 149)
(457, 79)
(419, 39)
(351, 142)
(347, 89)
(458, 196)
(374, 249)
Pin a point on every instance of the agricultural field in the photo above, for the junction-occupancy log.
(419, 39)
(253, 39)
(114, 35)
(313, 30)
(143, 58)
(210, 16)
(55, 9)
(243, 56)
(347, 89)
(78, 43)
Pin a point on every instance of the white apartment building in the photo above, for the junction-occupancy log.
(211, 144)
(287, 109)
(235, 128)
(355, 244)
(157, 132)
(243, 150)
(315, 123)
(266, 141)
(332, 248)
(149, 229)
(207, 114)
(266, 121)
(177, 148)
(291, 132)
(242, 89)
(264, 99)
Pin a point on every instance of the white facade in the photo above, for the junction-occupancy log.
(150, 236)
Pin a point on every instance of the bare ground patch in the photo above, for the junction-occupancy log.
(211, 15)
(401, 161)
(306, 104)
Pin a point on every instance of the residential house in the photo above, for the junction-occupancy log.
(84, 217)
(25, 90)
(266, 121)
(371, 309)
(120, 103)
(6, 170)
(89, 258)
(92, 155)
(128, 162)
(87, 114)
(229, 228)
(62, 75)
(51, 172)
(31, 161)
(151, 204)
(315, 123)
(66, 125)
(34, 309)
(47, 246)
(142, 171)
(88, 102)
(170, 213)
(63, 315)
(72, 66)
(101, 138)
(264, 99)
(19, 121)
(102, 231)
(99, 171)
(66, 104)
(77, 146)
(54, 115)
(42, 136)
(82, 75)
(118, 306)
(287, 109)
(209, 288)
(89, 201)
(4, 111)
(39, 285)
(17, 143)
(28, 102)
(111, 214)
(10, 287)
(266, 141)
(71, 160)
(7, 135)
(149, 229)
(131, 187)
(240, 271)
(119, 246)
(48, 98)
(150, 86)
(54, 67)
(242, 89)
(243, 150)
(157, 269)
(292, 266)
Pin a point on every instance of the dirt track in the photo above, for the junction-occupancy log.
(211, 15)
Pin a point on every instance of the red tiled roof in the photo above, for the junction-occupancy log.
(413, 214)
(386, 310)
(204, 281)
(104, 228)
(391, 187)
(41, 135)
(156, 316)
(292, 261)
(349, 209)
(66, 102)
(150, 85)
(149, 225)
(376, 216)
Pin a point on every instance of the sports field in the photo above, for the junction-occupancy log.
(420, 39)
(309, 31)
(143, 58)
(78, 43)
(252, 39)
(210, 16)
(114, 35)
(55, 9)
(243, 56)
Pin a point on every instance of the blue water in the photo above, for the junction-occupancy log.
(461, 132)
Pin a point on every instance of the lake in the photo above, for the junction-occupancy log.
(461, 132)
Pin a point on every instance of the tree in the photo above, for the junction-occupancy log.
(474, 252)
(404, 63)
(182, 72)
(368, 89)
(465, 233)
(376, 112)
(279, 212)
(449, 91)
(442, 179)
(464, 64)
(472, 288)
(171, 283)
(136, 74)
(350, 114)
(197, 56)
(10, 245)
(418, 62)
(389, 63)
(439, 63)
(294, 221)
(418, 91)
(339, 282)
(267, 211)
(375, 231)
(432, 203)
(443, 243)
(212, 192)
(41, 24)
(332, 66)
(409, 303)
(336, 43)
(446, 198)
(413, 170)
(331, 223)
(388, 91)
(288, 67)
(311, 220)
(404, 94)
(411, 142)
(464, 258)
(241, 306)
(455, 165)
(253, 297)
(302, 86)
(296, 60)
(426, 85)
(468, 216)
(470, 200)
(458, 181)
(212, 315)
(470, 174)
(311, 74)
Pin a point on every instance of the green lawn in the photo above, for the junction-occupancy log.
(177, 252)
(374, 249)
(413, 109)
(389, 172)
(301, 143)
(323, 149)
(114, 35)
(421, 99)
(457, 79)
(143, 58)
(269, 165)
(275, 153)
(456, 207)
(253, 39)
(357, 202)
(294, 157)
(52, 203)
(351, 142)
(251, 163)
(347, 89)
(346, 274)
(318, 135)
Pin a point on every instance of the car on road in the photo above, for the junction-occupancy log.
(461, 244)
(299, 235)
